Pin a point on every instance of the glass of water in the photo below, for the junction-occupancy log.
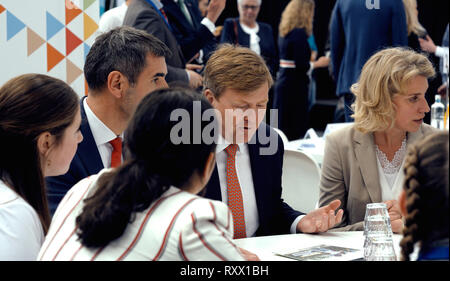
(380, 249)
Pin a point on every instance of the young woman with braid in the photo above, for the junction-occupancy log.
(424, 200)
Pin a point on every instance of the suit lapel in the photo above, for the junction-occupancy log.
(87, 149)
(367, 160)
(172, 8)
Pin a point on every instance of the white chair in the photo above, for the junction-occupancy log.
(300, 181)
(282, 135)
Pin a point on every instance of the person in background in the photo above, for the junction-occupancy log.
(195, 34)
(113, 18)
(415, 29)
(245, 31)
(203, 7)
(39, 131)
(123, 66)
(150, 16)
(249, 154)
(363, 162)
(147, 209)
(357, 31)
(442, 52)
(424, 199)
(292, 85)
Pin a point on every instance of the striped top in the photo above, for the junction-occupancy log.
(177, 226)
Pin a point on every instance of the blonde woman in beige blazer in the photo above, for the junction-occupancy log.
(363, 163)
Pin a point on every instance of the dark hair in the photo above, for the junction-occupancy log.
(122, 49)
(32, 104)
(154, 163)
(426, 187)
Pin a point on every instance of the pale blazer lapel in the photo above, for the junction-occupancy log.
(413, 137)
(366, 157)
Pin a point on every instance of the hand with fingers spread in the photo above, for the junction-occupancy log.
(322, 219)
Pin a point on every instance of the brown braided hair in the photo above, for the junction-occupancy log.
(426, 188)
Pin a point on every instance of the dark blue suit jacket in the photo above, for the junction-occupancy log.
(275, 216)
(358, 32)
(269, 50)
(87, 161)
(191, 38)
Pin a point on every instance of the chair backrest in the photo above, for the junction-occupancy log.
(300, 181)
(282, 135)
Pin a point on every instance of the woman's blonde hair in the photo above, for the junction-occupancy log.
(385, 75)
(412, 20)
(297, 14)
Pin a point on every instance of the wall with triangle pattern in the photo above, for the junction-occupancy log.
(50, 37)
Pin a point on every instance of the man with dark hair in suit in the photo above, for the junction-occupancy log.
(194, 33)
(359, 29)
(122, 67)
(249, 155)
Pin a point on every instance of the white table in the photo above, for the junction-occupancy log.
(313, 147)
(266, 246)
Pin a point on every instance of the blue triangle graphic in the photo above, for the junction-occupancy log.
(14, 25)
(53, 26)
(87, 48)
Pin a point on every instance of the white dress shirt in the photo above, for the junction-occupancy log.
(21, 232)
(244, 174)
(102, 135)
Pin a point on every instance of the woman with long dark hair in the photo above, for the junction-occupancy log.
(39, 134)
(147, 208)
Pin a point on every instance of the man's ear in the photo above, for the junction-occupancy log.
(45, 143)
(117, 83)
(210, 96)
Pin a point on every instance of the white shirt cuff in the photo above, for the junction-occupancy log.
(294, 224)
(189, 76)
(440, 51)
(209, 24)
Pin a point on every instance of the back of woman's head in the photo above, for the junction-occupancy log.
(30, 105)
(155, 160)
(387, 73)
(297, 14)
(426, 188)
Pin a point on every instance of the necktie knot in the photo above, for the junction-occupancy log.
(231, 149)
(116, 143)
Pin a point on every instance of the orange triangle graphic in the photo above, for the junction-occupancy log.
(34, 41)
(2, 9)
(90, 26)
(72, 11)
(53, 57)
(73, 72)
(72, 41)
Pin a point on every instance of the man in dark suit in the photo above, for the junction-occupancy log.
(122, 67)
(194, 33)
(150, 15)
(249, 155)
(359, 29)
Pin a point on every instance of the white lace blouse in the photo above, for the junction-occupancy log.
(391, 172)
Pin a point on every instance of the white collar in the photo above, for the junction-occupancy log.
(222, 143)
(101, 133)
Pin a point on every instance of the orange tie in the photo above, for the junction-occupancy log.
(235, 202)
(116, 156)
